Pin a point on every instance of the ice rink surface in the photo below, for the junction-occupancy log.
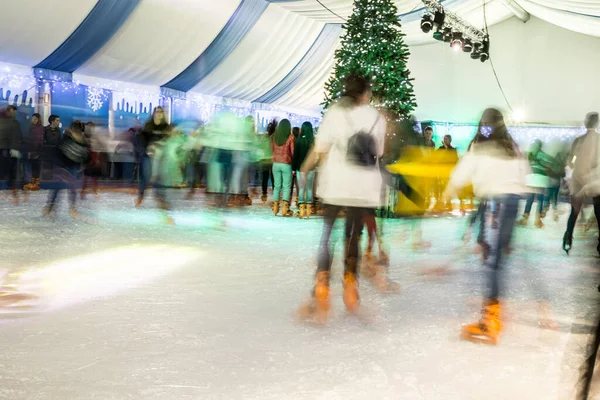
(130, 308)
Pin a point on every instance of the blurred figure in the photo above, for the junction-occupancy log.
(447, 144)
(542, 165)
(10, 146)
(241, 162)
(195, 171)
(448, 155)
(302, 147)
(479, 137)
(52, 132)
(582, 175)
(427, 146)
(282, 145)
(71, 153)
(93, 170)
(154, 131)
(296, 133)
(350, 142)
(52, 135)
(125, 155)
(428, 137)
(558, 173)
(266, 158)
(224, 136)
(35, 146)
(498, 173)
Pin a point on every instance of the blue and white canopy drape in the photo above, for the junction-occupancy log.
(266, 51)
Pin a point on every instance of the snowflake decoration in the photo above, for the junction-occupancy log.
(95, 98)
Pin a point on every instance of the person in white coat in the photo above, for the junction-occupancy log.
(348, 148)
(498, 172)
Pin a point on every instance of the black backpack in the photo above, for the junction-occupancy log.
(362, 148)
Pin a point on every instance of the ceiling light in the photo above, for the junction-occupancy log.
(447, 34)
(426, 23)
(485, 50)
(438, 18)
(457, 41)
(467, 46)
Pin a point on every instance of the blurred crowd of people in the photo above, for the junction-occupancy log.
(356, 159)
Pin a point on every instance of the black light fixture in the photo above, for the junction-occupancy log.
(439, 18)
(426, 23)
(485, 50)
(447, 34)
(457, 41)
(467, 46)
(476, 52)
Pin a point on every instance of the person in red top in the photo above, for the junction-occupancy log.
(282, 145)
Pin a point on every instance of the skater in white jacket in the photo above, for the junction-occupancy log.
(497, 170)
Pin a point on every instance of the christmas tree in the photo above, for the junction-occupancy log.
(373, 46)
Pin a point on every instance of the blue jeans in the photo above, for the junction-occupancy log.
(529, 204)
(67, 179)
(305, 187)
(502, 212)
(283, 181)
(145, 167)
(239, 175)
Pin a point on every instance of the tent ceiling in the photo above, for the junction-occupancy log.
(277, 49)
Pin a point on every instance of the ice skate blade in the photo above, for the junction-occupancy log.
(479, 338)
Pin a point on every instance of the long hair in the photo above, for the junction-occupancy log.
(163, 121)
(492, 128)
(39, 117)
(354, 87)
(272, 127)
(283, 132)
(307, 133)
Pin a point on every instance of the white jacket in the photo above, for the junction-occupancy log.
(340, 182)
(491, 172)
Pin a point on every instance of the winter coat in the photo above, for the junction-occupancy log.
(301, 149)
(51, 136)
(152, 134)
(585, 172)
(70, 153)
(491, 172)
(10, 133)
(35, 141)
(283, 154)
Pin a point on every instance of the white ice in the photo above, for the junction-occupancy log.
(133, 309)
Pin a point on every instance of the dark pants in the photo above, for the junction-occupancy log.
(145, 171)
(225, 163)
(9, 168)
(552, 198)
(576, 204)
(266, 173)
(195, 173)
(354, 225)
(502, 212)
(294, 183)
(36, 167)
(67, 179)
(529, 203)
